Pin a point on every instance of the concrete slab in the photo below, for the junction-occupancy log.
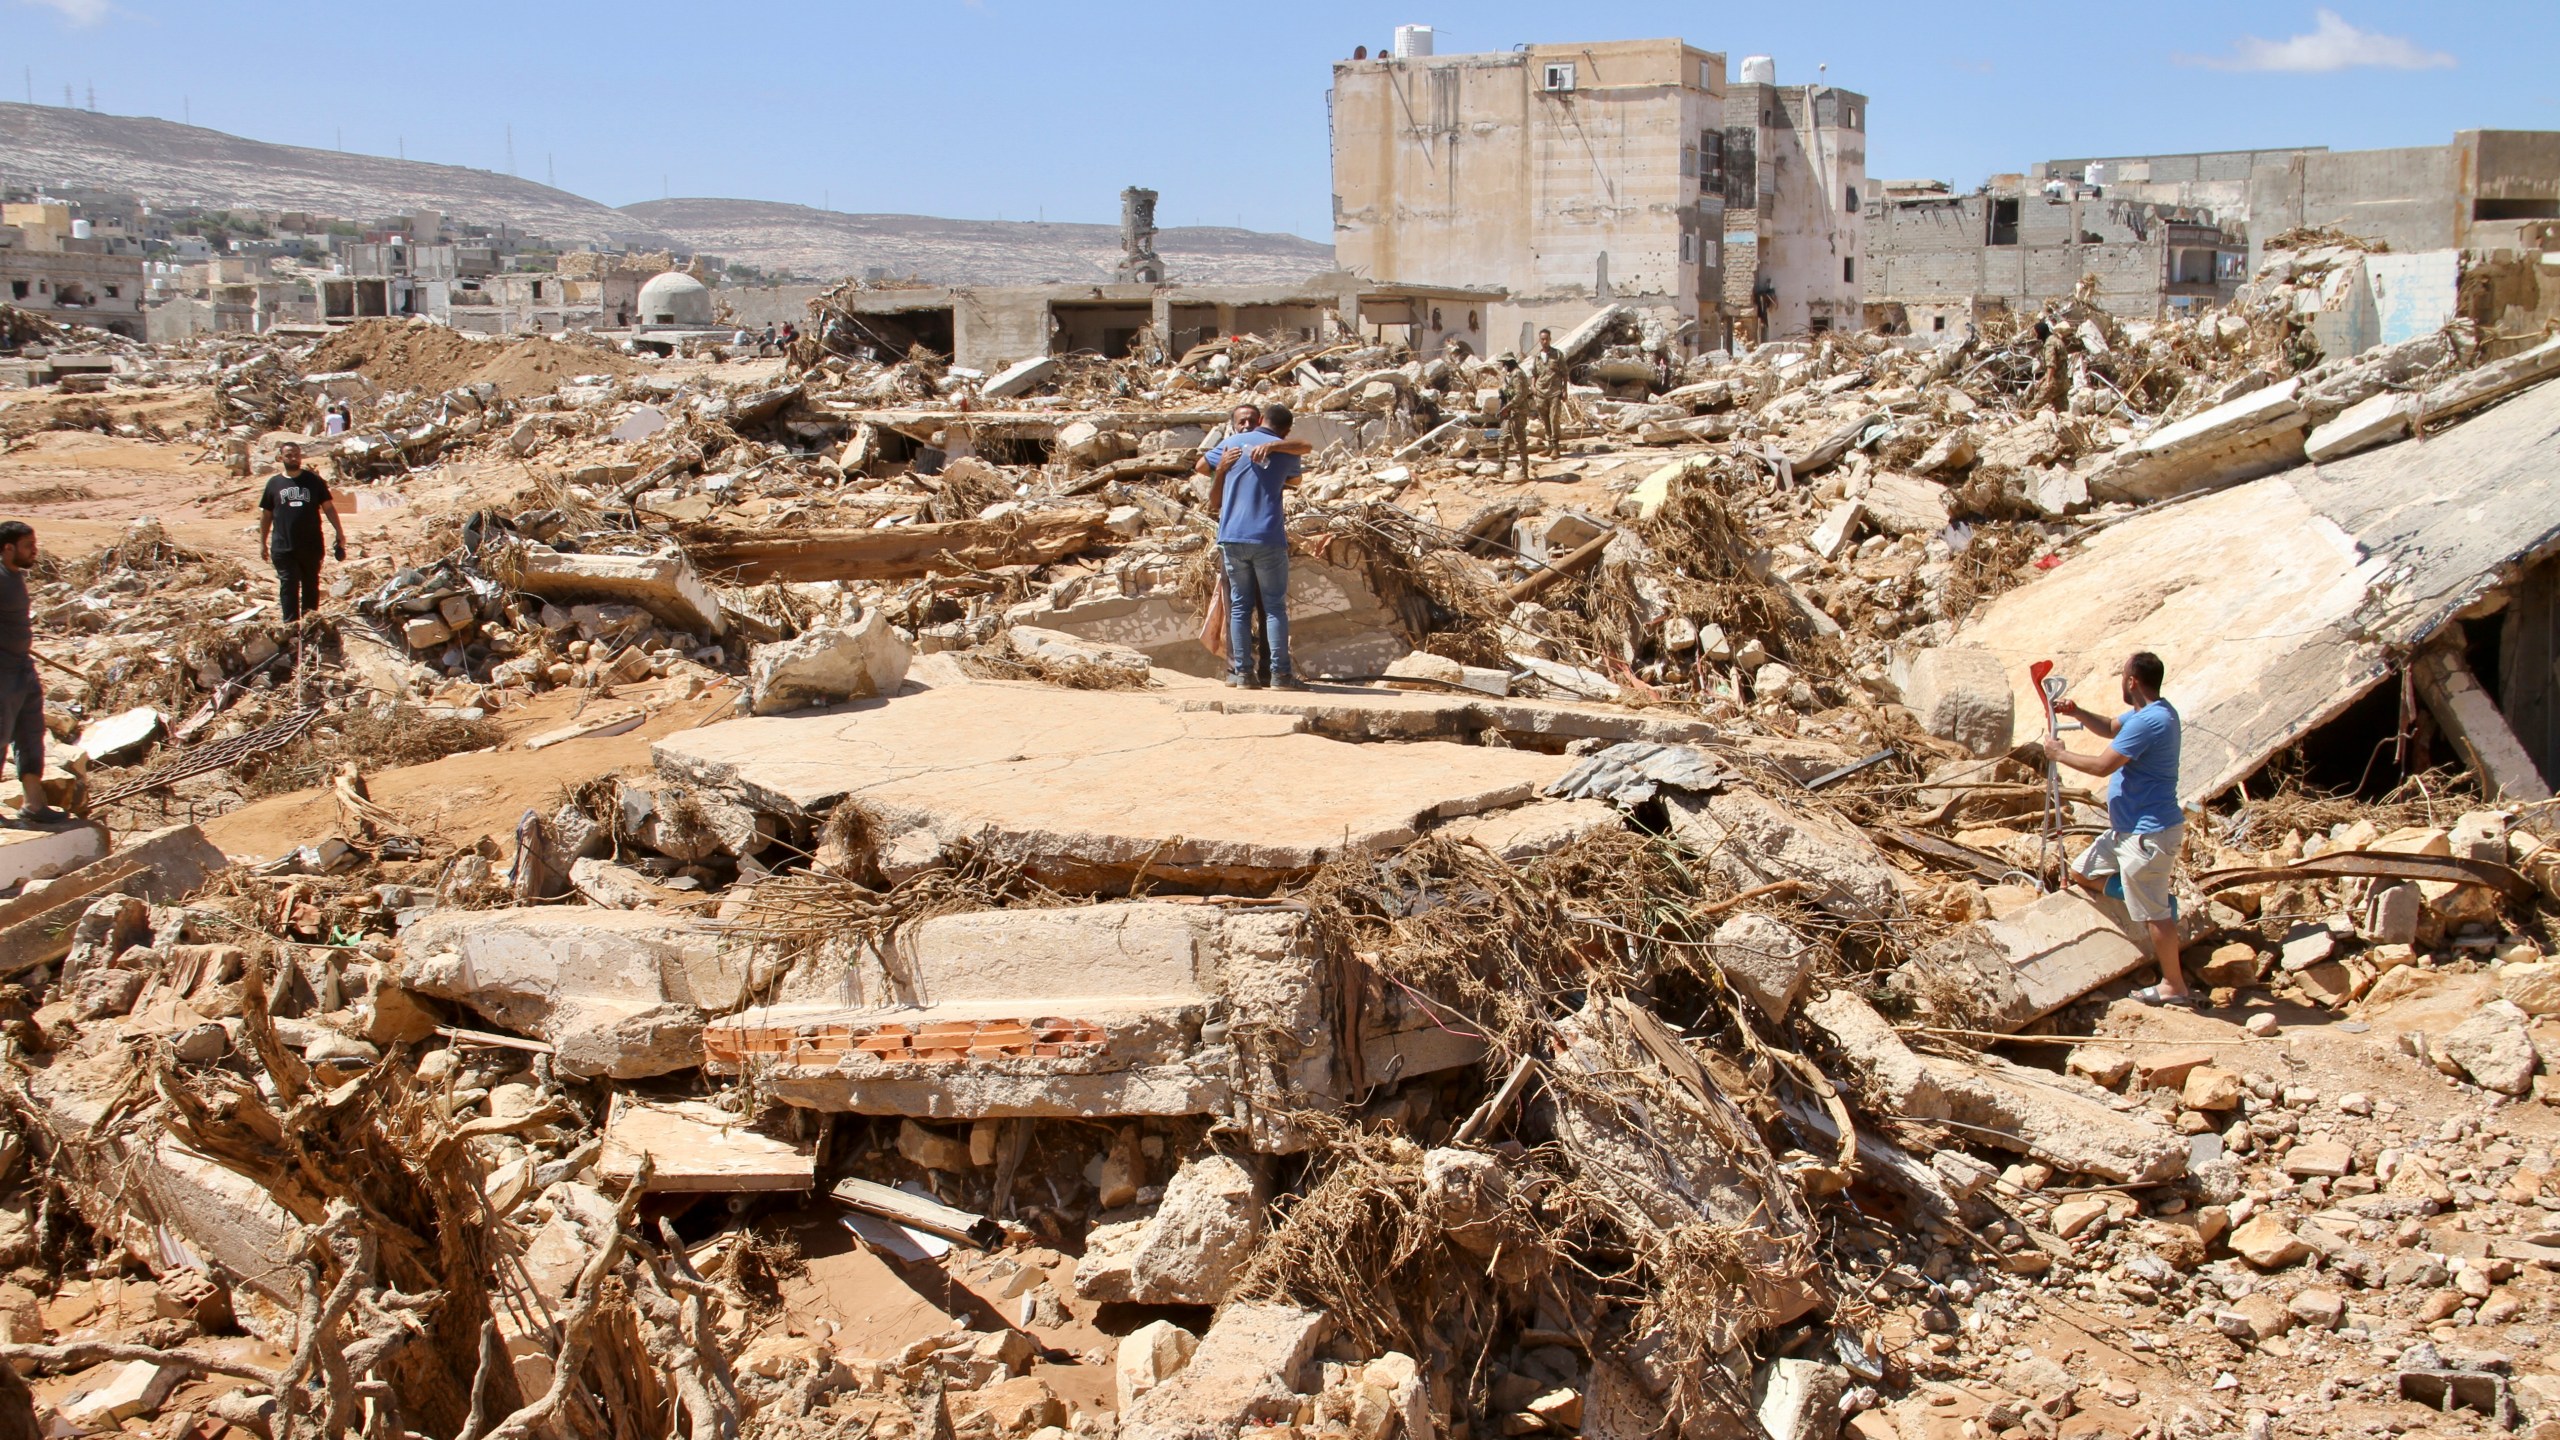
(621, 993)
(2064, 946)
(1087, 789)
(1123, 1008)
(2277, 603)
(1534, 830)
(42, 854)
(1364, 713)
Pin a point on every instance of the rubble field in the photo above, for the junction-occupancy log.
(750, 911)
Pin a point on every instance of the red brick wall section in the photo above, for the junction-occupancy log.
(945, 1042)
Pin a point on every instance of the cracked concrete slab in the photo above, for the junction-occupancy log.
(1088, 789)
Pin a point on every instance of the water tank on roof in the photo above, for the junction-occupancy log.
(79, 229)
(1412, 41)
(1759, 70)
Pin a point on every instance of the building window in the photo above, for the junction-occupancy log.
(17, 289)
(1853, 199)
(1688, 247)
(1706, 76)
(2004, 222)
(1558, 77)
(1849, 269)
(1937, 322)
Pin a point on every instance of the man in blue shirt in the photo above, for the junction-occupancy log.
(2145, 827)
(1251, 469)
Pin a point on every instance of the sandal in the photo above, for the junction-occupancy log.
(2154, 995)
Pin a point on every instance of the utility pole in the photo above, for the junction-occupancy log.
(550, 172)
(93, 97)
(342, 139)
(511, 149)
(403, 143)
(31, 84)
(186, 110)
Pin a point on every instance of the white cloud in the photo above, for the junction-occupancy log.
(2332, 44)
(78, 12)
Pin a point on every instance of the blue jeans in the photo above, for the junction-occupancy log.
(1257, 579)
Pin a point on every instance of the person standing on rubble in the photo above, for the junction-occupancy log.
(1253, 542)
(1515, 414)
(289, 531)
(1547, 386)
(2137, 857)
(21, 688)
(1213, 462)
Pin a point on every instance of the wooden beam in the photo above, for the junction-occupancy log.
(896, 552)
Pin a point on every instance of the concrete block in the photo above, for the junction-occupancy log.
(134, 1388)
(1190, 1251)
(1906, 505)
(118, 738)
(664, 584)
(1249, 1370)
(1149, 1356)
(2066, 945)
(1839, 526)
(1960, 693)
(2043, 1117)
(426, 632)
(1800, 1399)
(43, 854)
(823, 667)
(2375, 420)
(1019, 378)
(1764, 960)
(1750, 840)
(1889, 1067)
(621, 993)
(2254, 435)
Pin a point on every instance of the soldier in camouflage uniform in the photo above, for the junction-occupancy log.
(1516, 405)
(1546, 389)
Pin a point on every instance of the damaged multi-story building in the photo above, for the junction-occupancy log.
(1630, 172)
(2169, 231)
(53, 264)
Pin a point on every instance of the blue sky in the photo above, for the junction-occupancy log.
(1025, 109)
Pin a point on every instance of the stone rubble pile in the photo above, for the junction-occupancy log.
(1635, 997)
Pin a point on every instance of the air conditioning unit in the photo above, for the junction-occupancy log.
(1558, 77)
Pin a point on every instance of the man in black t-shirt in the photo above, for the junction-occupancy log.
(21, 689)
(289, 531)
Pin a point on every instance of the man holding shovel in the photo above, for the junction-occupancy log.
(2139, 851)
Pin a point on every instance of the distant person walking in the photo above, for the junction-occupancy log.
(289, 531)
(21, 689)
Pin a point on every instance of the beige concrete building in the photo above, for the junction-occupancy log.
(51, 265)
(1576, 175)
(1794, 167)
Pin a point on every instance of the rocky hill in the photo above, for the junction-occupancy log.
(171, 164)
(828, 244)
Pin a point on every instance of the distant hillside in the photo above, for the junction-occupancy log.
(170, 164)
(829, 244)
(186, 165)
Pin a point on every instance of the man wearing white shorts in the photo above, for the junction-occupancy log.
(2139, 851)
